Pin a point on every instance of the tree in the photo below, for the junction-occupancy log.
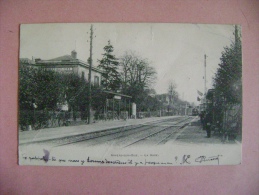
(46, 94)
(38, 91)
(137, 78)
(172, 93)
(39, 87)
(26, 87)
(227, 80)
(74, 90)
(136, 70)
(109, 64)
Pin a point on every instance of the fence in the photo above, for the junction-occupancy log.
(29, 119)
(111, 115)
(227, 122)
(232, 121)
(154, 114)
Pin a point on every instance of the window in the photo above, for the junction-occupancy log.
(96, 80)
(83, 75)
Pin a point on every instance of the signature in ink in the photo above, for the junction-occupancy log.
(185, 159)
(201, 159)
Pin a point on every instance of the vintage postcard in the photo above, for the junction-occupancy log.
(130, 94)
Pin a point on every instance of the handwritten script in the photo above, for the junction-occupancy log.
(201, 159)
(182, 160)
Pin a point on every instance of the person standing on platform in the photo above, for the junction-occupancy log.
(202, 115)
(208, 123)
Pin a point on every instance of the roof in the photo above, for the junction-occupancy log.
(119, 94)
(61, 58)
(66, 60)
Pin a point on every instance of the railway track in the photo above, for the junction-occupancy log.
(129, 137)
(122, 136)
(161, 136)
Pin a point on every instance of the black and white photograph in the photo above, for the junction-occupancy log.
(130, 94)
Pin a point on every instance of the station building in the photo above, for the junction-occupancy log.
(66, 64)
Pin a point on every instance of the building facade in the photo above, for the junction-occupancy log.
(66, 64)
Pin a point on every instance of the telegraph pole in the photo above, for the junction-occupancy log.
(89, 75)
(205, 79)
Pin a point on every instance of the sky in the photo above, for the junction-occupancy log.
(176, 51)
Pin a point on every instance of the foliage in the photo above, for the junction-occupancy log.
(98, 99)
(74, 91)
(172, 93)
(45, 90)
(27, 87)
(227, 81)
(137, 79)
(136, 70)
(109, 64)
(38, 88)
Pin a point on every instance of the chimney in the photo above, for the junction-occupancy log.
(74, 54)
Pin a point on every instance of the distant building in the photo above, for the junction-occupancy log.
(166, 101)
(165, 98)
(27, 62)
(66, 64)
